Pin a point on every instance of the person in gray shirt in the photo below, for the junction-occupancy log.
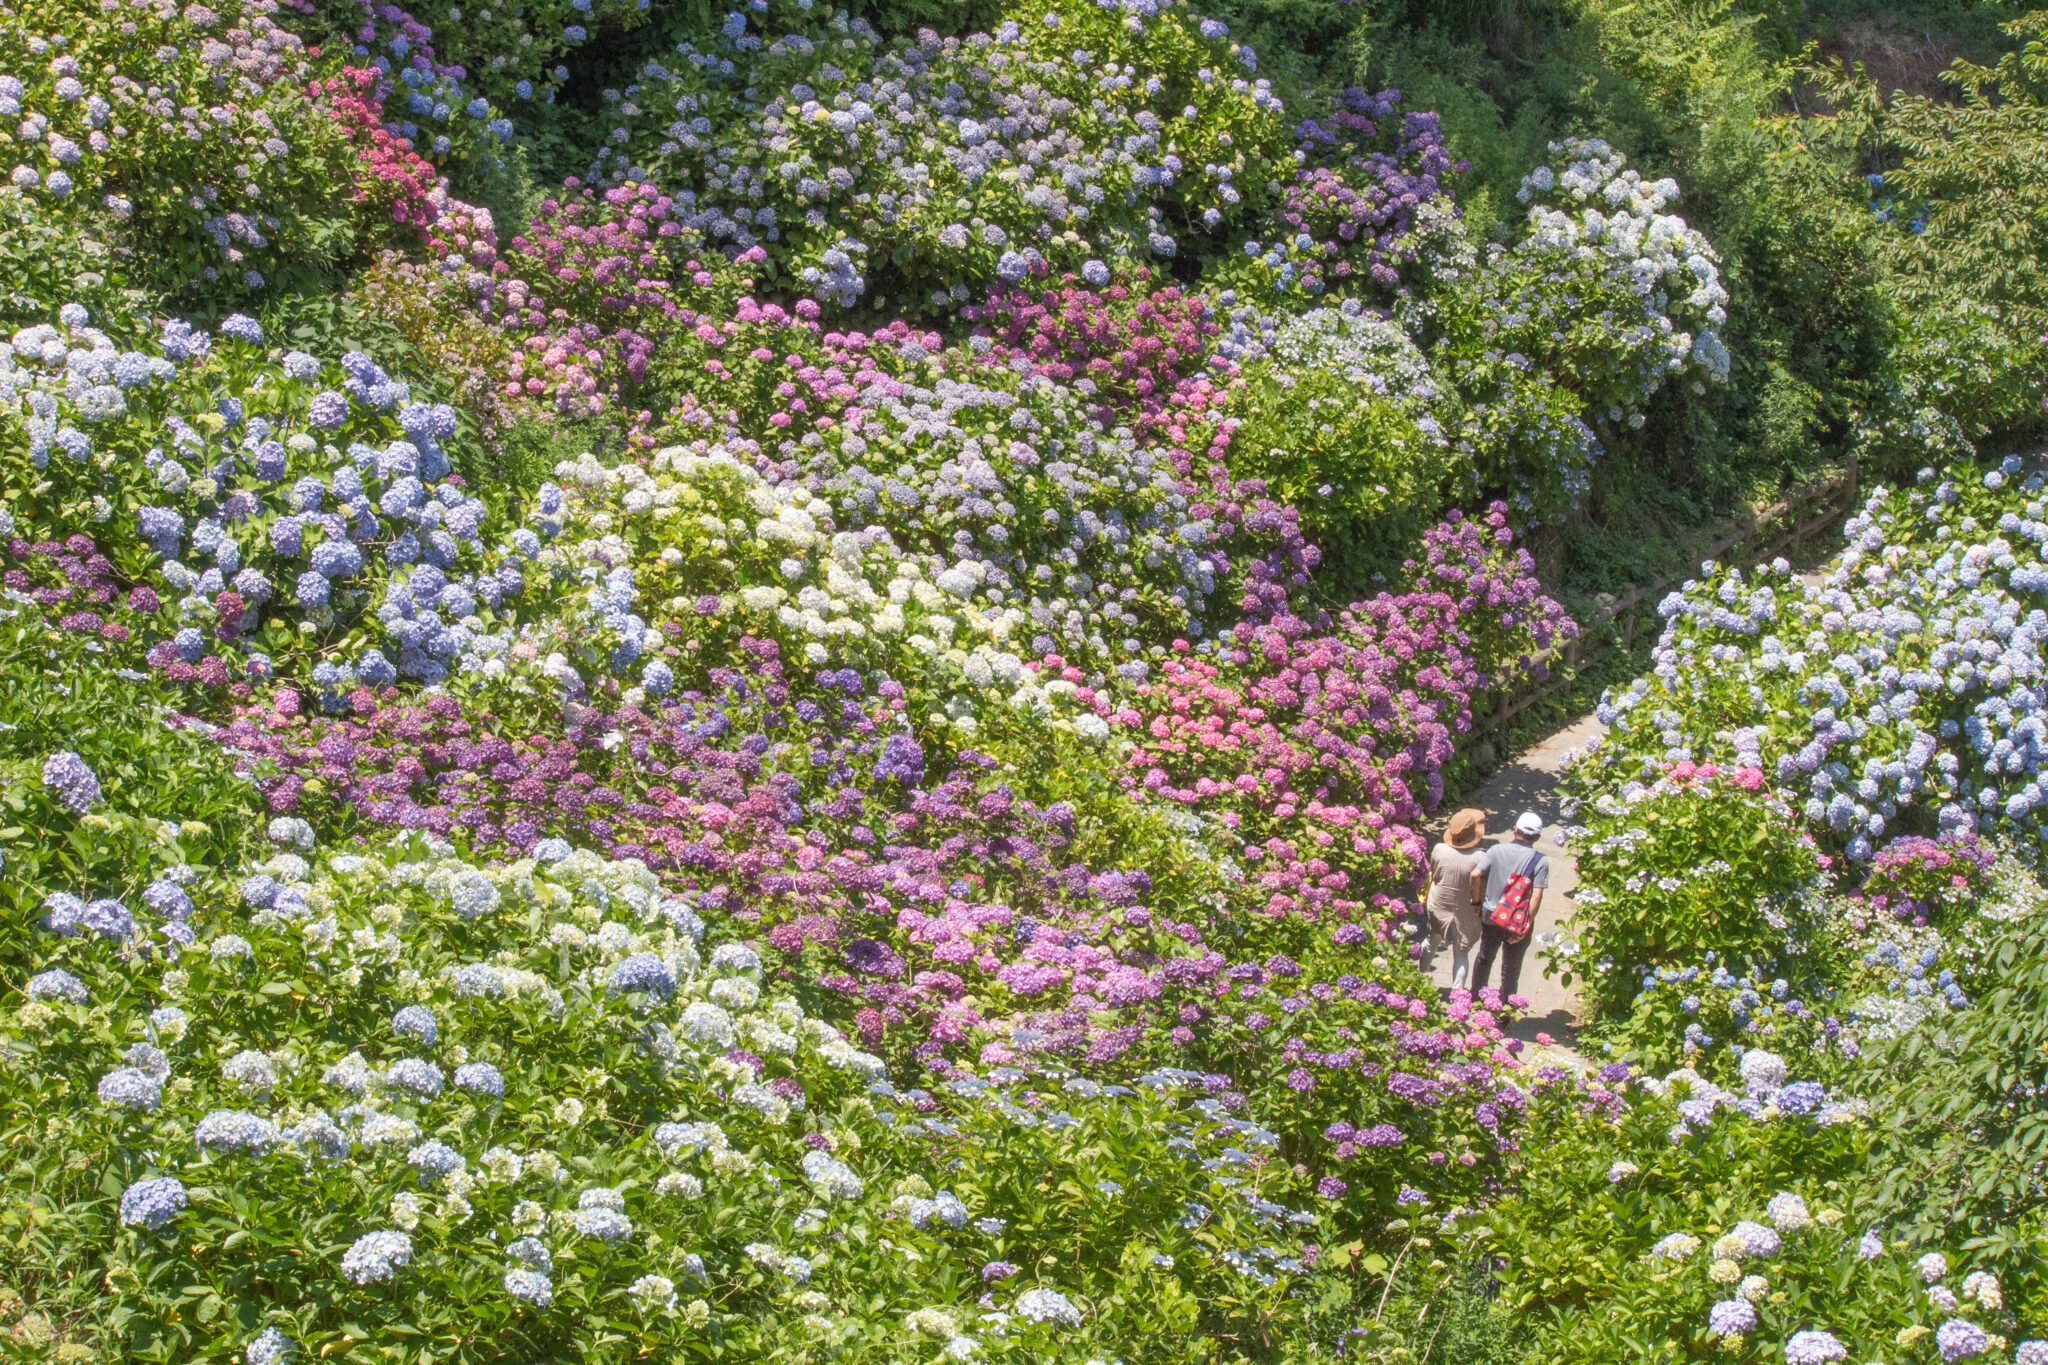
(1502, 863)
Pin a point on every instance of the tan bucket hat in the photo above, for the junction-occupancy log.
(1468, 827)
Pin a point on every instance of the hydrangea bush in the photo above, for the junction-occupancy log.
(261, 506)
(1700, 861)
(190, 137)
(919, 171)
(1733, 1234)
(1894, 699)
(542, 1102)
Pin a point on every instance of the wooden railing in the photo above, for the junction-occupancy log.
(1784, 525)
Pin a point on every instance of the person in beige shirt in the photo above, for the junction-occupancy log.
(1453, 918)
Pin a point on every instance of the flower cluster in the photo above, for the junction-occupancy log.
(565, 316)
(1369, 198)
(1897, 698)
(261, 489)
(921, 171)
(512, 53)
(743, 1142)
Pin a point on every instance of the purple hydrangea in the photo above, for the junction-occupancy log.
(74, 784)
(902, 759)
(1731, 1317)
(1801, 1097)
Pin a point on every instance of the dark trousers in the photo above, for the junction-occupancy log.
(1494, 941)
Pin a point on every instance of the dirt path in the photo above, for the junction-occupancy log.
(1530, 783)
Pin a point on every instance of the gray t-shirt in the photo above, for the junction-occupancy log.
(1503, 861)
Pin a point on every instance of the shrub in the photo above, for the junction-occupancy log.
(207, 449)
(909, 173)
(1698, 862)
(1890, 696)
(521, 1106)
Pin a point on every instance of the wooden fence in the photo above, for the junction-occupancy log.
(1783, 526)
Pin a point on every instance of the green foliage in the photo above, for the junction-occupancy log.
(1967, 1111)
(1700, 92)
(1975, 169)
(171, 796)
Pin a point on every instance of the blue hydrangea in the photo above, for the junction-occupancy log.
(530, 1286)
(337, 558)
(414, 1076)
(480, 1078)
(327, 410)
(376, 1257)
(128, 1088)
(643, 972)
(529, 1252)
(416, 1021)
(56, 984)
(269, 1347)
(152, 1203)
(236, 1132)
(435, 1161)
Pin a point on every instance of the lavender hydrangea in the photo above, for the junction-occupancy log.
(1731, 1317)
(72, 782)
(1814, 1348)
(1959, 1339)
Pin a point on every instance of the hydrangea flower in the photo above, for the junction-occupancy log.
(1731, 1317)
(152, 1203)
(56, 984)
(376, 1257)
(71, 781)
(1048, 1306)
(269, 1347)
(1814, 1348)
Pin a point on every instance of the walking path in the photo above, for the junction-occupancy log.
(1530, 783)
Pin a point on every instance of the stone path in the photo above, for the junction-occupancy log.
(1530, 783)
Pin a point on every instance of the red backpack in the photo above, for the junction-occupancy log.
(1511, 912)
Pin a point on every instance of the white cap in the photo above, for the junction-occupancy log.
(1529, 823)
